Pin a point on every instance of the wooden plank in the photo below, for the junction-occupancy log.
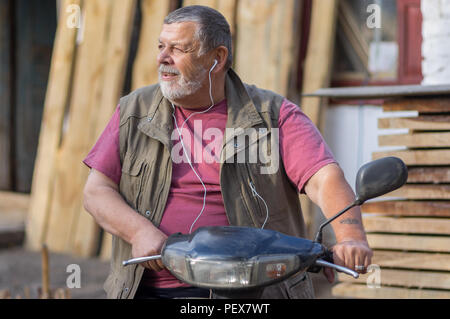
(404, 278)
(421, 191)
(145, 68)
(106, 250)
(362, 291)
(409, 260)
(421, 105)
(265, 38)
(416, 140)
(409, 225)
(13, 201)
(319, 55)
(418, 157)
(51, 133)
(5, 95)
(409, 242)
(408, 208)
(35, 25)
(86, 234)
(429, 175)
(423, 122)
(86, 94)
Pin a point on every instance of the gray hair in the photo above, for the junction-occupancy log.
(213, 29)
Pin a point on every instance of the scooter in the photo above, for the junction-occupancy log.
(238, 262)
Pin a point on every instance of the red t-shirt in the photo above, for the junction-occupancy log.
(302, 151)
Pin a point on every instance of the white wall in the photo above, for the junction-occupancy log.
(436, 41)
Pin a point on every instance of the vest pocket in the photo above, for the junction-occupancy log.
(133, 172)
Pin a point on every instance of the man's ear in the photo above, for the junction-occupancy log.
(221, 55)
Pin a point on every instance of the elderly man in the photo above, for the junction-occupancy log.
(147, 180)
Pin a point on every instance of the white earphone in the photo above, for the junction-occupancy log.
(212, 68)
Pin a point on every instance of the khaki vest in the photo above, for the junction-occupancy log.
(145, 148)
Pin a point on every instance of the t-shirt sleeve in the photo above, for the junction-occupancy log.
(302, 147)
(104, 156)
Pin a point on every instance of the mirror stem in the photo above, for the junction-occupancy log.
(318, 238)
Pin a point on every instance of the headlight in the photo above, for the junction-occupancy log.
(231, 274)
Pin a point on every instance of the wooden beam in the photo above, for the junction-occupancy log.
(408, 208)
(13, 201)
(418, 157)
(409, 225)
(415, 140)
(429, 175)
(362, 291)
(265, 38)
(421, 191)
(145, 67)
(421, 105)
(318, 62)
(409, 260)
(5, 95)
(86, 235)
(409, 242)
(57, 95)
(423, 122)
(86, 94)
(404, 278)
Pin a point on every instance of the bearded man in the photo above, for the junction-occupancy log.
(147, 181)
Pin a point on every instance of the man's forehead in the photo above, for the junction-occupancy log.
(178, 33)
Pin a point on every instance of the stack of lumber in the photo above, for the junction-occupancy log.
(87, 76)
(409, 230)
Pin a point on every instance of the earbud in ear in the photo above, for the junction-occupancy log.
(215, 63)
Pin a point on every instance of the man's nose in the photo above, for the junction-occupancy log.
(164, 57)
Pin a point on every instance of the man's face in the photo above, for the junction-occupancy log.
(181, 70)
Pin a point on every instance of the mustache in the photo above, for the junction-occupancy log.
(167, 69)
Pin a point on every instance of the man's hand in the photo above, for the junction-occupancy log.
(350, 253)
(148, 241)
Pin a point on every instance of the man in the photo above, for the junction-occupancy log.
(147, 180)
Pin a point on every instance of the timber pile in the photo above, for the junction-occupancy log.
(410, 229)
(86, 80)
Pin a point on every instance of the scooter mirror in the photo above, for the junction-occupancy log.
(379, 177)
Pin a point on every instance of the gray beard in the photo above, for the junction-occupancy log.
(181, 88)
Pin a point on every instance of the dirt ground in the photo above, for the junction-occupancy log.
(20, 268)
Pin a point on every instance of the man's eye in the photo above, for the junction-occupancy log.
(160, 47)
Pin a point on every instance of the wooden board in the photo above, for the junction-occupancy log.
(145, 67)
(421, 105)
(418, 157)
(423, 122)
(416, 140)
(350, 290)
(57, 95)
(86, 234)
(429, 175)
(408, 208)
(410, 225)
(410, 260)
(421, 191)
(86, 94)
(10, 201)
(5, 95)
(265, 38)
(409, 242)
(403, 278)
(319, 55)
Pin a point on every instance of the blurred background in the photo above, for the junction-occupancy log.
(65, 63)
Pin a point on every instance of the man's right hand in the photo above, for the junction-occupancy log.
(148, 241)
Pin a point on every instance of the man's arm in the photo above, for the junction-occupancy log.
(330, 191)
(104, 202)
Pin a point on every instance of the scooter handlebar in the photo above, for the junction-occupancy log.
(348, 271)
